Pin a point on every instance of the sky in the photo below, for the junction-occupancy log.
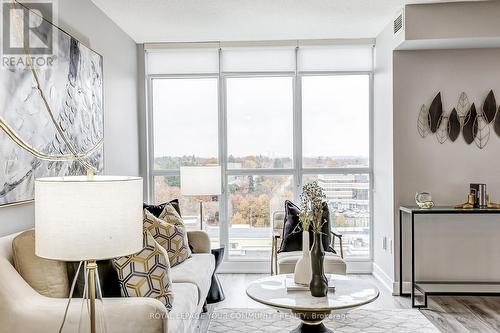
(335, 113)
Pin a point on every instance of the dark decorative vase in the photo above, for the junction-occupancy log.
(319, 282)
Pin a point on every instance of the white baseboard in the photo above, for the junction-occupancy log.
(359, 267)
(383, 278)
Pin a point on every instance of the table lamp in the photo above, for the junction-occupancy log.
(200, 181)
(91, 218)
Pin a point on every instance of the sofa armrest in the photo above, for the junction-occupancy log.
(121, 315)
(199, 241)
(23, 310)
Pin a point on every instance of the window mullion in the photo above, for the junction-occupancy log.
(297, 128)
(223, 204)
(150, 141)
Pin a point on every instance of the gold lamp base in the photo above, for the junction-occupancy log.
(91, 271)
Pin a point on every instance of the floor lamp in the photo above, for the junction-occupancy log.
(87, 219)
(201, 181)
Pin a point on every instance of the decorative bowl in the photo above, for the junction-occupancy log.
(424, 200)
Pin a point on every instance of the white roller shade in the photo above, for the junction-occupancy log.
(258, 59)
(335, 58)
(182, 61)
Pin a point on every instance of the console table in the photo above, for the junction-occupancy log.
(439, 287)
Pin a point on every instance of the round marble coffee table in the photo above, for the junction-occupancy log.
(348, 294)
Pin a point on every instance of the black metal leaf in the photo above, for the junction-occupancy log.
(435, 113)
(469, 130)
(490, 107)
(496, 125)
(453, 125)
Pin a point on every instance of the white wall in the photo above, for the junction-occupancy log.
(383, 221)
(82, 19)
(463, 248)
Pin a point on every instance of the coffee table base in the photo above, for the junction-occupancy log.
(312, 322)
(306, 328)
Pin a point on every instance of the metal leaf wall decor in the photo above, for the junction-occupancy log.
(435, 113)
(490, 107)
(482, 131)
(469, 131)
(474, 124)
(442, 130)
(463, 105)
(454, 126)
(423, 121)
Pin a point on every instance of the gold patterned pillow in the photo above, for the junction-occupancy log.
(170, 215)
(169, 231)
(146, 273)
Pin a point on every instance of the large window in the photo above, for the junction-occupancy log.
(259, 122)
(336, 121)
(185, 133)
(274, 118)
(252, 201)
(185, 122)
(348, 197)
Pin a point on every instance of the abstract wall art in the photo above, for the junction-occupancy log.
(51, 118)
(464, 118)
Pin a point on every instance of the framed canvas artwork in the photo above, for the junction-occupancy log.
(51, 117)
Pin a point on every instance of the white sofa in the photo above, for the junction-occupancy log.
(23, 310)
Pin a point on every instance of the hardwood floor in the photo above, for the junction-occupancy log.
(449, 314)
(464, 314)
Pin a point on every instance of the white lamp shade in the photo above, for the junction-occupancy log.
(204, 180)
(80, 218)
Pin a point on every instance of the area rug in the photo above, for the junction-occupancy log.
(359, 320)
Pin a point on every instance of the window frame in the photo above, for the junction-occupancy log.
(297, 172)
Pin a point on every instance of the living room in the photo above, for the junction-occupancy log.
(249, 166)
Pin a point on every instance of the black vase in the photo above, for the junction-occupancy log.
(319, 282)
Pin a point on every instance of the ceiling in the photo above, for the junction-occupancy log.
(240, 20)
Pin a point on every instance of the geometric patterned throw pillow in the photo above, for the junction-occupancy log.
(146, 273)
(170, 215)
(169, 231)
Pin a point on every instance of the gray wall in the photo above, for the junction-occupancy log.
(452, 20)
(383, 158)
(82, 19)
(454, 248)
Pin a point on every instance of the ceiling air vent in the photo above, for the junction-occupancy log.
(398, 23)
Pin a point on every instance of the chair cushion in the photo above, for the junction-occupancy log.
(146, 273)
(333, 263)
(47, 277)
(169, 231)
(184, 308)
(292, 230)
(197, 270)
